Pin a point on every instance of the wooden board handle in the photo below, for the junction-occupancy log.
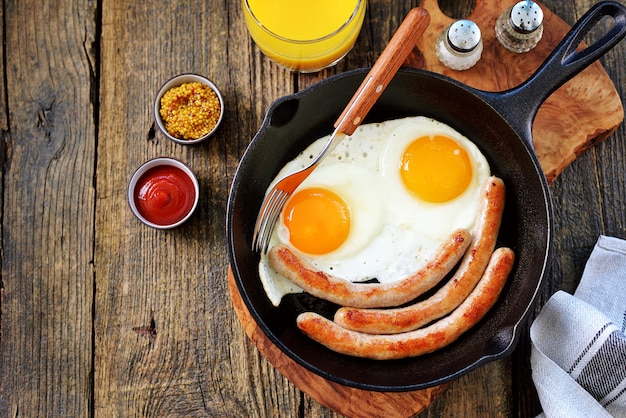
(386, 66)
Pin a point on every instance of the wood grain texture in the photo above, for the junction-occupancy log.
(163, 345)
(49, 138)
(588, 199)
(583, 112)
(593, 102)
(345, 400)
(101, 316)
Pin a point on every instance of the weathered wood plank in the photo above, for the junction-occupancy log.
(49, 137)
(501, 388)
(154, 305)
(588, 200)
(199, 363)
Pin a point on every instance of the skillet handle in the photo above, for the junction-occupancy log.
(521, 103)
(386, 66)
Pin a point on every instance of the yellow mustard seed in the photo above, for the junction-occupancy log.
(190, 110)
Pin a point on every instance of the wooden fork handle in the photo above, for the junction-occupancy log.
(386, 66)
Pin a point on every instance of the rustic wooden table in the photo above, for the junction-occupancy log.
(103, 316)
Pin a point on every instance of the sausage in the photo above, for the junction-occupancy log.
(446, 299)
(421, 341)
(370, 295)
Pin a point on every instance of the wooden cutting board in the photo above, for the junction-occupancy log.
(583, 112)
(580, 114)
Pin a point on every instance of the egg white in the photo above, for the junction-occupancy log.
(435, 220)
(393, 233)
(358, 187)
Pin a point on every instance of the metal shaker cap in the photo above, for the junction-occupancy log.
(464, 35)
(526, 16)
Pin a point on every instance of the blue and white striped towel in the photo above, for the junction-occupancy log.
(578, 355)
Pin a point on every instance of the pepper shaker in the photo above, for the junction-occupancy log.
(460, 45)
(520, 27)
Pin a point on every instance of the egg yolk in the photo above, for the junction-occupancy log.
(436, 168)
(318, 220)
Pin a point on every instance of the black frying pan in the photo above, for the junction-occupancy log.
(498, 123)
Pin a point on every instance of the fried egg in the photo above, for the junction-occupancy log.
(380, 203)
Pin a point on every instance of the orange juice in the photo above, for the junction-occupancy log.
(304, 35)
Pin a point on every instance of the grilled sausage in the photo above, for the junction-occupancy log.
(446, 299)
(421, 341)
(370, 295)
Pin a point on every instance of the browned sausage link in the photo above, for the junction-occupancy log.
(421, 341)
(370, 295)
(484, 234)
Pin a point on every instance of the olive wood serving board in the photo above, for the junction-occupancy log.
(583, 112)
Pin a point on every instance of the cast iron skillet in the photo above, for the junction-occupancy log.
(500, 125)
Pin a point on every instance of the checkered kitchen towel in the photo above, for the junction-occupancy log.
(578, 353)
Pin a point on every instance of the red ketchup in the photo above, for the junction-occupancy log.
(164, 195)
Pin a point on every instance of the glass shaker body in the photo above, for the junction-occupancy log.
(460, 45)
(520, 27)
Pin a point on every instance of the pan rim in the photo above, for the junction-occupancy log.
(237, 273)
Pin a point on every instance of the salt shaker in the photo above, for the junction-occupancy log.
(460, 45)
(520, 27)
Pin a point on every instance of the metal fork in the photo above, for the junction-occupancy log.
(375, 82)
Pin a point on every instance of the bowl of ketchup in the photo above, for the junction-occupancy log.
(163, 193)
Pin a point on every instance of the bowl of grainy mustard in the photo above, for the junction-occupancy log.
(189, 108)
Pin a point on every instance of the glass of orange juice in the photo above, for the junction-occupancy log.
(304, 35)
